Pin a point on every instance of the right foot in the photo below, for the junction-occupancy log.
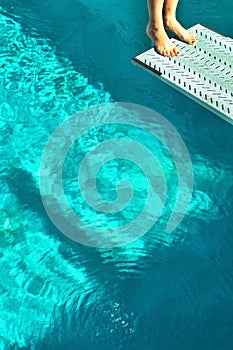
(161, 41)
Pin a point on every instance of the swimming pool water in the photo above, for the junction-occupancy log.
(161, 291)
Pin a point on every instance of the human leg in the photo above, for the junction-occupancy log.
(155, 29)
(171, 23)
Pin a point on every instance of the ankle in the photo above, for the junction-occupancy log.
(169, 20)
(155, 26)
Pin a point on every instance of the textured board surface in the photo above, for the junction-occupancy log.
(203, 72)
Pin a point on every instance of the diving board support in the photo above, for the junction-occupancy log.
(203, 72)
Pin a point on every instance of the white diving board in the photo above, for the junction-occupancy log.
(203, 72)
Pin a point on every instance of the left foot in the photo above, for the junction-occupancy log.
(181, 32)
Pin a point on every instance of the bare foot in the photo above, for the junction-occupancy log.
(161, 41)
(174, 26)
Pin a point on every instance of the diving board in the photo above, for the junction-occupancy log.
(203, 72)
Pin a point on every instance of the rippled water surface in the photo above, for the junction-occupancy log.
(161, 292)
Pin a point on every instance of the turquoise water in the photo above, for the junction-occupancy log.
(160, 292)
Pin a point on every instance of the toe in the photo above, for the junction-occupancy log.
(171, 51)
(193, 39)
(175, 51)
